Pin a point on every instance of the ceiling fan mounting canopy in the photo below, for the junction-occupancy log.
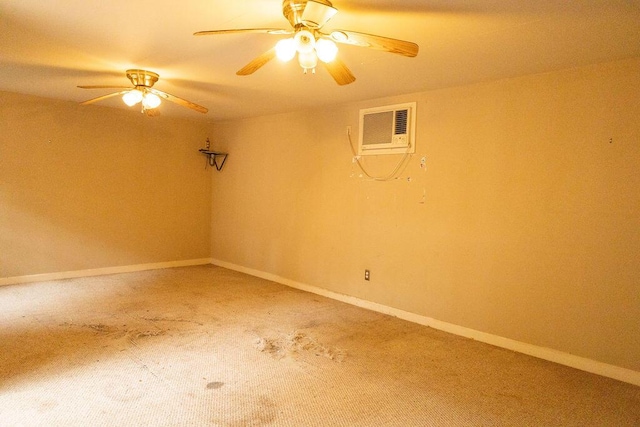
(142, 77)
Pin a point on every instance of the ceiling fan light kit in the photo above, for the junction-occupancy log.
(286, 49)
(150, 101)
(309, 49)
(305, 42)
(308, 61)
(132, 97)
(326, 50)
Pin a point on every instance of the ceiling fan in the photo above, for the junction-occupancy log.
(143, 93)
(310, 43)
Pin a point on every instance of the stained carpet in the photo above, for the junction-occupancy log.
(206, 346)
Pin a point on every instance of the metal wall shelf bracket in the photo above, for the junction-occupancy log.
(216, 159)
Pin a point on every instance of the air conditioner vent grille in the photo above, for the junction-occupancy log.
(402, 117)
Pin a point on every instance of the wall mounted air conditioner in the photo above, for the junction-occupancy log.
(388, 130)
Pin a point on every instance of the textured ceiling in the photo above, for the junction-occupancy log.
(47, 48)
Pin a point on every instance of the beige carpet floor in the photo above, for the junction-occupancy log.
(205, 346)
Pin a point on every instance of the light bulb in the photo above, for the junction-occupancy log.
(286, 49)
(132, 97)
(305, 42)
(326, 50)
(150, 101)
(308, 60)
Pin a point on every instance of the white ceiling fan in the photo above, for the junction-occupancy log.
(311, 44)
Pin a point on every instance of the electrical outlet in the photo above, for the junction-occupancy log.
(366, 275)
(349, 130)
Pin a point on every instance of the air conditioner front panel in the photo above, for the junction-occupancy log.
(387, 130)
(376, 129)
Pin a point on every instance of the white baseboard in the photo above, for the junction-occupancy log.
(573, 361)
(100, 271)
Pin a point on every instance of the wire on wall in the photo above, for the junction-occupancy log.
(392, 175)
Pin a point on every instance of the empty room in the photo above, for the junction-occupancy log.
(319, 213)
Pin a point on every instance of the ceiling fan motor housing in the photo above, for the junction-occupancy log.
(294, 11)
(142, 77)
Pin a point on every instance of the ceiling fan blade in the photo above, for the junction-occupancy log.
(387, 44)
(258, 62)
(100, 98)
(179, 101)
(105, 87)
(340, 73)
(277, 31)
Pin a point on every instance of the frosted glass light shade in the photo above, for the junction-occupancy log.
(150, 101)
(305, 42)
(286, 49)
(326, 49)
(132, 97)
(308, 60)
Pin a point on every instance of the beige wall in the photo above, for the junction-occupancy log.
(86, 187)
(525, 223)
